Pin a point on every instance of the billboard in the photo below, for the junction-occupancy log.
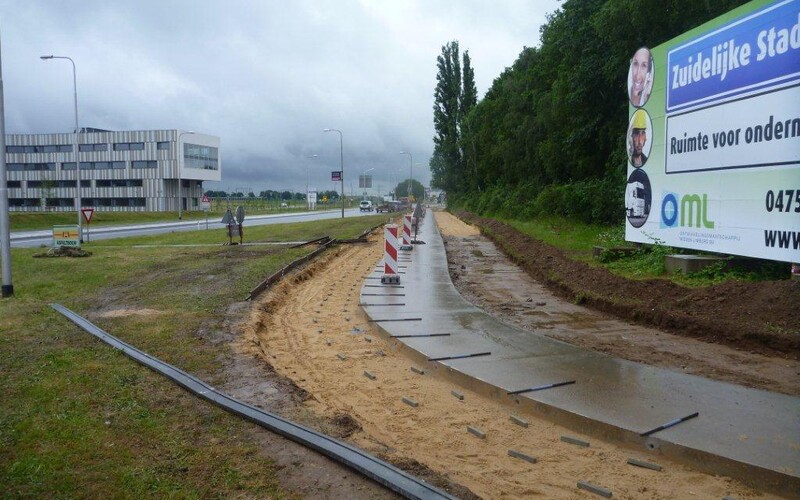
(713, 136)
(364, 181)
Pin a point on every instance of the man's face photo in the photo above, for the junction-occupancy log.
(639, 139)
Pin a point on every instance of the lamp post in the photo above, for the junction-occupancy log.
(308, 172)
(180, 180)
(75, 143)
(341, 159)
(364, 174)
(7, 289)
(410, 173)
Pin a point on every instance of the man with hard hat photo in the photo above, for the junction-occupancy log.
(637, 138)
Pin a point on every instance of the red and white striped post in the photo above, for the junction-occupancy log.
(390, 274)
(407, 233)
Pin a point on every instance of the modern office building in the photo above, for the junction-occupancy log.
(140, 170)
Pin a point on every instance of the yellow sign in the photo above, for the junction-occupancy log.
(66, 236)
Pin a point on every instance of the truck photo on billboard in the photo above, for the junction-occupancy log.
(714, 136)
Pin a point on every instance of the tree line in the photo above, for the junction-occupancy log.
(271, 195)
(549, 135)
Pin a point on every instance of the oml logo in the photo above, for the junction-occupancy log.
(689, 210)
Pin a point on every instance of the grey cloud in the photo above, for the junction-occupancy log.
(267, 77)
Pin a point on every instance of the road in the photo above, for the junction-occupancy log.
(22, 239)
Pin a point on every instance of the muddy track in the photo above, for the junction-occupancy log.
(761, 317)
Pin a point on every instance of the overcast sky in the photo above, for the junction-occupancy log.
(265, 76)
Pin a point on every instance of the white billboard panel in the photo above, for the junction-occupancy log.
(714, 136)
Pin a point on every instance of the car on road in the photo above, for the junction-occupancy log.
(390, 206)
(365, 206)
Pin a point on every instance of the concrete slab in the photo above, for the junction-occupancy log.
(749, 434)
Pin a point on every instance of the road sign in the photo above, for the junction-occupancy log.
(87, 214)
(205, 202)
(336, 175)
(227, 218)
(66, 236)
(240, 214)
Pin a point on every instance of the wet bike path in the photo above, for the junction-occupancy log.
(749, 434)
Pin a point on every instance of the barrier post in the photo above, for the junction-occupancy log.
(406, 233)
(390, 275)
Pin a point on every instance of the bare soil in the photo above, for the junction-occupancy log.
(310, 331)
(762, 317)
(756, 347)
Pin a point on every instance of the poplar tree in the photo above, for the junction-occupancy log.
(455, 95)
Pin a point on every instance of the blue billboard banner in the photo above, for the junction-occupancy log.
(760, 50)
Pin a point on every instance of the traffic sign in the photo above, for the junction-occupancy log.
(205, 202)
(87, 214)
(336, 175)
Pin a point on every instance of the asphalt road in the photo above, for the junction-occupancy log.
(23, 239)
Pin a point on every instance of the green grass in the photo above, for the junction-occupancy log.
(577, 240)
(80, 419)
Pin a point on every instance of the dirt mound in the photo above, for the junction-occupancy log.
(757, 316)
(63, 252)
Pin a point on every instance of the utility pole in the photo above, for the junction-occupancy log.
(5, 226)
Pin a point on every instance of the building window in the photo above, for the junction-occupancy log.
(86, 183)
(93, 147)
(50, 148)
(51, 184)
(24, 202)
(128, 146)
(14, 184)
(144, 164)
(30, 167)
(68, 165)
(163, 145)
(118, 183)
(102, 165)
(60, 202)
(200, 157)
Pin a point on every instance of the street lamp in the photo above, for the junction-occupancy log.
(75, 144)
(7, 288)
(308, 174)
(364, 174)
(341, 159)
(308, 178)
(178, 158)
(410, 173)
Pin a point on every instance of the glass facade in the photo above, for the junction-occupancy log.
(200, 157)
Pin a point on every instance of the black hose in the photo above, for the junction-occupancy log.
(378, 470)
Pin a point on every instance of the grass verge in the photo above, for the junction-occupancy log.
(80, 419)
(578, 239)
